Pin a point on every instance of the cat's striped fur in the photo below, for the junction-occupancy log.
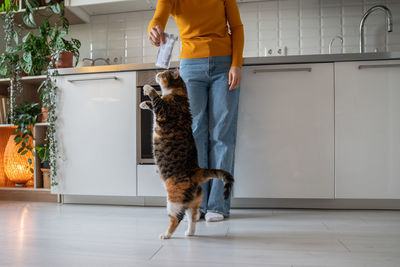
(175, 151)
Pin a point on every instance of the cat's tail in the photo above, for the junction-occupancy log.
(203, 175)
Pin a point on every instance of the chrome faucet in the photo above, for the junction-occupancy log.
(89, 59)
(93, 61)
(107, 60)
(389, 19)
(331, 43)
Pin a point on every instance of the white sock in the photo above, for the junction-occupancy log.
(213, 217)
(185, 218)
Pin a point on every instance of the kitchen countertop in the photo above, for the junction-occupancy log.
(248, 61)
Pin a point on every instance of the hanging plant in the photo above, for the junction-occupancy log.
(25, 118)
(48, 95)
(10, 59)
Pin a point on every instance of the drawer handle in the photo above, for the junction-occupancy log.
(94, 79)
(362, 67)
(282, 70)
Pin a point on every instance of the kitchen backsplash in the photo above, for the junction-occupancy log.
(295, 27)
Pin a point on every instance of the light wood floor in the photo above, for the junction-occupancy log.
(52, 234)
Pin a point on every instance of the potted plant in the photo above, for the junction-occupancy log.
(33, 54)
(43, 153)
(57, 42)
(37, 49)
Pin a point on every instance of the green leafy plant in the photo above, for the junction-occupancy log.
(8, 61)
(37, 48)
(43, 152)
(25, 118)
(54, 7)
(56, 41)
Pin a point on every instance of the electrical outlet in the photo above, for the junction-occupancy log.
(117, 60)
(281, 51)
(275, 51)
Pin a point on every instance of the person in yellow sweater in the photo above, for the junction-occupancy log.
(212, 39)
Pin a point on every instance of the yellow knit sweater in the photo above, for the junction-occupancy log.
(203, 27)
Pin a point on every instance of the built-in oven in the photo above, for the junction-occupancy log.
(145, 117)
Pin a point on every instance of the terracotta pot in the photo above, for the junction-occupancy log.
(65, 60)
(46, 178)
(43, 116)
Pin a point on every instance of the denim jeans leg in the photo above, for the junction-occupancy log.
(223, 113)
(197, 84)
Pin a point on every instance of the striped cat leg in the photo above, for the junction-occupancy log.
(176, 211)
(146, 105)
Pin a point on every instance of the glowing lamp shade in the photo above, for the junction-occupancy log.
(16, 166)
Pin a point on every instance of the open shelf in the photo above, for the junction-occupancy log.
(41, 124)
(29, 94)
(33, 80)
(25, 189)
(39, 134)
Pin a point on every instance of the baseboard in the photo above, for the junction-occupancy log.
(245, 202)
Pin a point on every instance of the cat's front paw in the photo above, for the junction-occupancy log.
(144, 105)
(147, 89)
(165, 236)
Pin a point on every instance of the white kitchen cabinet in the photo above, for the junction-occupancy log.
(97, 127)
(367, 107)
(285, 139)
(149, 181)
(99, 7)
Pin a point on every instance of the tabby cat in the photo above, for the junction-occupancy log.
(175, 151)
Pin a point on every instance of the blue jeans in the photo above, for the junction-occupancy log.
(214, 109)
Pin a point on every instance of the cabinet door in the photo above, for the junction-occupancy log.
(367, 129)
(285, 132)
(149, 181)
(97, 127)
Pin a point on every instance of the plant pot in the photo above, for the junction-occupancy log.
(46, 165)
(64, 61)
(46, 178)
(43, 116)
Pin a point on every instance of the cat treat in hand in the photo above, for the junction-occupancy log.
(165, 52)
(175, 151)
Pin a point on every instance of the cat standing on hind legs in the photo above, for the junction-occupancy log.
(175, 152)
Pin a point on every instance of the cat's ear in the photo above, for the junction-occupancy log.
(175, 73)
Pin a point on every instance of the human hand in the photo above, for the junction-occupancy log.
(156, 36)
(235, 77)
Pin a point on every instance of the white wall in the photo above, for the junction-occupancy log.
(303, 26)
